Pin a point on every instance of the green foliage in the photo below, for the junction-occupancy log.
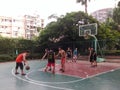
(107, 33)
(5, 57)
(66, 27)
(84, 2)
(116, 14)
(24, 44)
(8, 47)
(6, 44)
(118, 4)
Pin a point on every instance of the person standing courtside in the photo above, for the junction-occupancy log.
(92, 57)
(69, 54)
(75, 55)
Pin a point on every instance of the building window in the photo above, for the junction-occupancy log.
(18, 28)
(5, 20)
(15, 33)
(2, 26)
(10, 20)
(13, 20)
(5, 27)
(2, 20)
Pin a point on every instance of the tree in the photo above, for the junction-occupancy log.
(63, 31)
(84, 2)
(109, 35)
(53, 16)
(116, 14)
(119, 4)
(39, 29)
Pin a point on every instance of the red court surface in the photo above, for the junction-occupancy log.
(83, 69)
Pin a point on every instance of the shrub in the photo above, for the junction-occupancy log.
(4, 58)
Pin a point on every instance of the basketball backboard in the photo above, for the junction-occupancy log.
(90, 29)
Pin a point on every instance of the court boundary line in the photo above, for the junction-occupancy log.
(68, 74)
(44, 85)
(72, 81)
(112, 70)
(35, 83)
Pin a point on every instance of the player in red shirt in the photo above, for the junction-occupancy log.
(21, 58)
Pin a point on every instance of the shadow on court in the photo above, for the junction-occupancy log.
(78, 76)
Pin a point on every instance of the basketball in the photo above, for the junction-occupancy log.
(27, 67)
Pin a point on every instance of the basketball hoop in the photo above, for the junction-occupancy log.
(91, 29)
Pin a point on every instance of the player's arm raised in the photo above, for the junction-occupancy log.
(44, 55)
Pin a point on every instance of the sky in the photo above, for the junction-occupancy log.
(45, 8)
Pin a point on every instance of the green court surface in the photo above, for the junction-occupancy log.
(36, 79)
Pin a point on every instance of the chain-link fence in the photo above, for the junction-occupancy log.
(104, 47)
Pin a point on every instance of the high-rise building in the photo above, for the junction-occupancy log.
(5, 26)
(22, 26)
(30, 26)
(102, 14)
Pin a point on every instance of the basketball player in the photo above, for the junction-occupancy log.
(21, 58)
(63, 58)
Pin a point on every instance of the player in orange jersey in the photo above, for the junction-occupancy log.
(21, 58)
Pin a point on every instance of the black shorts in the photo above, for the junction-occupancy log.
(69, 56)
(19, 65)
(93, 58)
(51, 60)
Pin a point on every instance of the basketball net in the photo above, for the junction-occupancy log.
(86, 36)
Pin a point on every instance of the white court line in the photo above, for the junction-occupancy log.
(38, 83)
(73, 80)
(112, 70)
(51, 82)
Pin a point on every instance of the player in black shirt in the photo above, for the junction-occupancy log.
(51, 60)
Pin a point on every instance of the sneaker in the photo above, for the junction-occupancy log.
(61, 69)
(45, 70)
(23, 74)
(16, 73)
(49, 69)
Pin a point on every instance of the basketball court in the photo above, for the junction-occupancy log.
(78, 76)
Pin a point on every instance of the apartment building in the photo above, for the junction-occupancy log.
(22, 26)
(18, 29)
(102, 14)
(5, 26)
(30, 26)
